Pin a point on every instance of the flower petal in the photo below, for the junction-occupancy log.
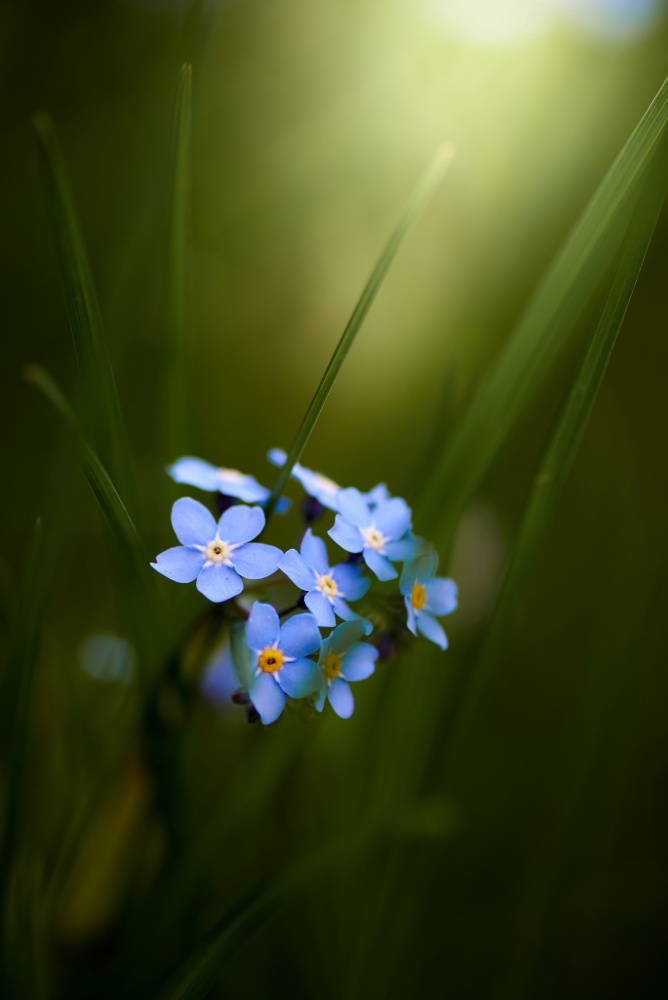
(346, 535)
(401, 550)
(256, 560)
(380, 565)
(341, 699)
(358, 663)
(411, 620)
(194, 472)
(441, 596)
(299, 636)
(296, 570)
(180, 564)
(299, 678)
(353, 507)
(314, 552)
(263, 626)
(393, 518)
(219, 583)
(277, 456)
(431, 629)
(344, 636)
(321, 695)
(320, 608)
(350, 582)
(192, 522)
(267, 697)
(379, 494)
(240, 524)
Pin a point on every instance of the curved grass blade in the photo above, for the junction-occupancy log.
(544, 329)
(177, 317)
(566, 438)
(423, 191)
(84, 312)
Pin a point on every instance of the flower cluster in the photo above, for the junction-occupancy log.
(273, 656)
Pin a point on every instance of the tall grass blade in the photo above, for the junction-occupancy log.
(421, 194)
(567, 435)
(543, 330)
(177, 317)
(84, 312)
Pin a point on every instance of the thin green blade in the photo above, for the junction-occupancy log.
(565, 440)
(84, 311)
(421, 194)
(177, 317)
(543, 330)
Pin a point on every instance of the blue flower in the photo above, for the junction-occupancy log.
(342, 659)
(377, 532)
(217, 555)
(219, 681)
(231, 482)
(278, 659)
(323, 489)
(426, 595)
(326, 589)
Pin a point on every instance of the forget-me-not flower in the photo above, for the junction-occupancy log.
(343, 658)
(377, 532)
(278, 658)
(217, 555)
(231, 482)
(326, 589)
(425, 596)
(315, 484)
(219, 681)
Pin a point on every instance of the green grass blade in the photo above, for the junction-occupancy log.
(84, 311)
(544, 329)
(565, 440)
(177, 318)
(113, 508)
(421, 194)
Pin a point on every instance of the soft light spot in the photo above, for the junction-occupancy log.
(328, 485)
(418, 596)
(332, 666)
(373, 538)
(232, 475)
(270, 660)
(327, 585)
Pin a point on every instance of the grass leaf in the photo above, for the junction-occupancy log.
(84, 311)
(544, 328)
(421, 194)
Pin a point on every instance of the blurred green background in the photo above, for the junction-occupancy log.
(540, 868)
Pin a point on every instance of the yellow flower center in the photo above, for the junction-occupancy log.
(332, 665)
(418, 596)
(270, 660)
(373, 539)
(327, 585)
(217, 551)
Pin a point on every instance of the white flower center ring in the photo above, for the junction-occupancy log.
(328, 586)
(373, 538)
(217, 552)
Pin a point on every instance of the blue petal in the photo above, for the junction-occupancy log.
(350, 582)
(240, 524)
(300, 636)
(219, 583)
(401, 550)
(345, 535)
(321, 695)
(282, 504)
(441, 596)
(411, 621)
(379, 494)
(316, 485)
(296, 570)
(343, 637)
(419, 569)
(341, 699)
(267, 697)
(262, 627)
(320, 608)
(314, 552)
(235, 484)
(353, 507)
(180, 564)
(256, 560)
(192, 522)
(358, 663)
(393, 518)
(299, 678)
(219, 680)
(431, 629)
(194, 472)
(277, 456)
(380, 565)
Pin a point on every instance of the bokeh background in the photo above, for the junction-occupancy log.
(541, 870)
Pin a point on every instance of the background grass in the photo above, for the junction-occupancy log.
(156, 846)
